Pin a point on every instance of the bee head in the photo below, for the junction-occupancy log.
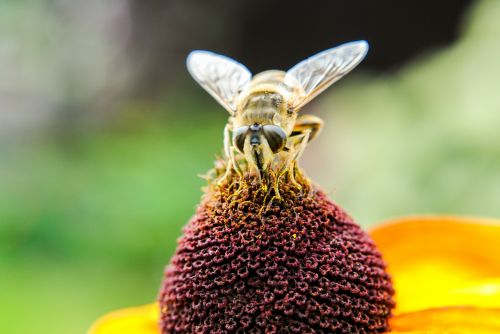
(274, 135)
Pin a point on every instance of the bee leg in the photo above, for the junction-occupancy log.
(232, 164)
(296, 143)
(298, 149)
(291, 175)
(309, 123)
(226, 174)
(306, 128)
(229, 153)
(273, 178)
(300, 145)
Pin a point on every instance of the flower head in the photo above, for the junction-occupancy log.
(445, 272)
(298, 265)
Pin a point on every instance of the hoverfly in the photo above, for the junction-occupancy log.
(264, 129)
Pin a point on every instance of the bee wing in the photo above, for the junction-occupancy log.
(220, 76)
(315, 74)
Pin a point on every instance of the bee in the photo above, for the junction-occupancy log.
(264, 130)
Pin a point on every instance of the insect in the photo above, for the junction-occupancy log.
(264, 130)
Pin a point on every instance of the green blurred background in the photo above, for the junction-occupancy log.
(103, 134)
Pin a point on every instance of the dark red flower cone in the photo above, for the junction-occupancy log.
(249, 262)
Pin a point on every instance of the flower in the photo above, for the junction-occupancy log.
(295, 265)
(446, 273)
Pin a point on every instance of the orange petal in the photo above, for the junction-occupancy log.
(136, 320)
(442, 261)
(448, 320)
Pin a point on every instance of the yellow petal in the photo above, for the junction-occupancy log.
(442, 261)
(448, 320)
(136, 320)
(144, 319)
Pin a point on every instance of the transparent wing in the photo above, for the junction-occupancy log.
(315, 74)
(220, 76)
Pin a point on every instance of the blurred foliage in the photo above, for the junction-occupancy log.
(87, 223)
(89, 219)
(423, 140)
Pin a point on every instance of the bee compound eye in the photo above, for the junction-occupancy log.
(239, 136)
(276, 137)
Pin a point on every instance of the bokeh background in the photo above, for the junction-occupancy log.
(103, 134)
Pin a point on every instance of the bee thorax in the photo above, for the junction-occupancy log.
(261, 116)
